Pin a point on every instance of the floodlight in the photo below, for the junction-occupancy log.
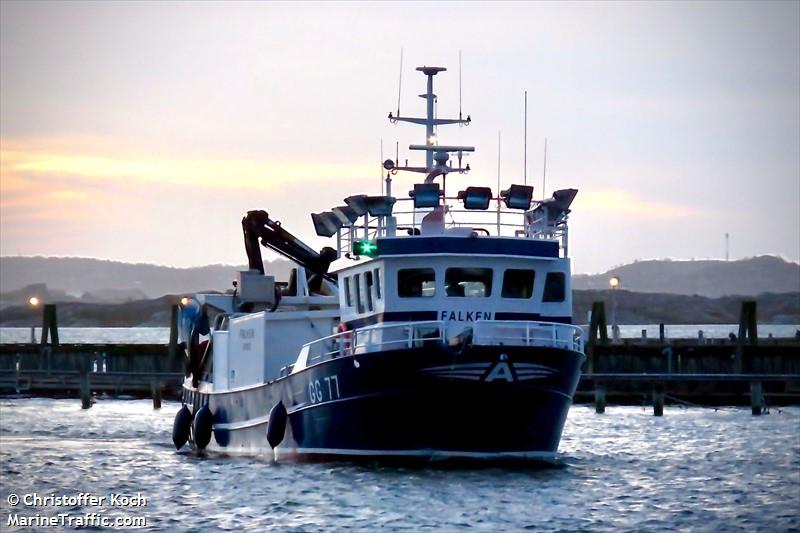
(476, 197)
(346, 215)
(563, 198)
(380, 206)
(326, 224)
(518, 196)
(425, 195)
(358, 202)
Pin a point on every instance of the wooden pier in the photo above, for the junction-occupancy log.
(746, 371)
(49, 368)
(81, 369)
(709, 372)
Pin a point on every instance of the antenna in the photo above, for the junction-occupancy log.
(544, 170)
(727, 247)
(498, 182)
(525, 136)
(400, 83)
(381, 172)
(459, 85)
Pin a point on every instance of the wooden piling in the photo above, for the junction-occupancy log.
(748, 326)
(172, 347)
(598, 326)
(49, 325)
(757, 402)
(156, 392)
(658, 399)
(599, 398)
(155, 384)
(86, 393)
(17, 368)
(748, 333)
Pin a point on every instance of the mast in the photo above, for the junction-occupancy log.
(436, 156)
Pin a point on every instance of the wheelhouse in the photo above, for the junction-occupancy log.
(457, 289)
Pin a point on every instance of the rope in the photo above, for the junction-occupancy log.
(691, 404)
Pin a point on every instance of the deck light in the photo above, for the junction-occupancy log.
(563, 199)
(380, 206)
(614, 282)
(326, 224)
(518, 196)
(367, 248)
(184, 301)
(358, 202)
(34, 301)
(425, 195)
(476, 197)
(346, 215)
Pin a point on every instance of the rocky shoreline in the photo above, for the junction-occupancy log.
(631, 308)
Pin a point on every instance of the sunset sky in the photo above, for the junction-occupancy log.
(142, 132)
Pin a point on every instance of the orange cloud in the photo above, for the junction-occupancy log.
(29, 158)
(629, 204)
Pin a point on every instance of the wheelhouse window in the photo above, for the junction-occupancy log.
(368, 289)
(358, 300)
(348, 295)
(378, 283)
(554, 287)
(518, 283)
(416, 282)
(468, 282)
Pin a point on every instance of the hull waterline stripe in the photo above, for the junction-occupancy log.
(432, 454)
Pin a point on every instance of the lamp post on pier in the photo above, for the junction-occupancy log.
(614, 282)
(34, 303)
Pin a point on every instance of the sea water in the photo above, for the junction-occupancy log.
(692, 469)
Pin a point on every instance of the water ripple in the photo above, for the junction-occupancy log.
(625, 470)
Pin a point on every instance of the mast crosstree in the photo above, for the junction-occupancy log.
(436, 155)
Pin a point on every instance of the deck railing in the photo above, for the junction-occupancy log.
(527, 333)
(394, 336)
(377, 338)
(498, 220)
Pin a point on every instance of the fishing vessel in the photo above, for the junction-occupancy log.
(436, 326)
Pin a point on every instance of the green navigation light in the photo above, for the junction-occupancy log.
(367, 248)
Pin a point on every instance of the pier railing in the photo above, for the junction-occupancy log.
(528, 333)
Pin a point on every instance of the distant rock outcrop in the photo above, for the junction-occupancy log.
(710, 278)
(631, 308)
(115, 281)
(659, 308)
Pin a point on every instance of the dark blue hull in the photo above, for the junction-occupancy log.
(427, 402)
